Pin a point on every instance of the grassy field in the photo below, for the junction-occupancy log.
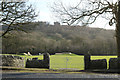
(67, 61)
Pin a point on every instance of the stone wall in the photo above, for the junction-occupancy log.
(113, 63)
(13, 61)
(98, 64)
(94, 64)
(35, 63)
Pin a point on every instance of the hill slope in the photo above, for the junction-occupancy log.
(44, 37)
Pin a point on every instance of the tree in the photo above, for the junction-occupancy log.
(87, 11)
(15, 13)
(118, 30)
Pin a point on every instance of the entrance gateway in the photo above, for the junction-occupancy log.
(69, 62)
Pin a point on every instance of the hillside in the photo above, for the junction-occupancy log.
(42, 37)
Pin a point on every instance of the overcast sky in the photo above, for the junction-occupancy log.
(45, 14)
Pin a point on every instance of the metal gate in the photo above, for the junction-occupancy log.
(69, 62)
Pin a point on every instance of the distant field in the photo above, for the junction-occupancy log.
(67, 61)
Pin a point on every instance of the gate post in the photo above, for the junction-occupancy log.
(67, 62)
(87, 61)
(46, 60)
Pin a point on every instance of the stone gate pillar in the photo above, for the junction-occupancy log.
(87, 61)
(46, 60)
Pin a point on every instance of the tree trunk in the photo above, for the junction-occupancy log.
(118, 47)
(118, 30)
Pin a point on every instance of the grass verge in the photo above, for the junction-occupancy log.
(6, 69)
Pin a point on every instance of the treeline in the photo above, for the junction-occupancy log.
(42, 37)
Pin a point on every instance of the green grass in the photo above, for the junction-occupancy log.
(65, 55)
(6, 69)
(63, 62)
(69, 61)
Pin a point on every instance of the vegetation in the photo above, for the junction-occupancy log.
(13, 14)
(88, 11)
(44, 37)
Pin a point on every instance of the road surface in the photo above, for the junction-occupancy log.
(61, 76)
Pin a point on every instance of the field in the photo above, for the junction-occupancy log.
(67, 61)
(70, 61)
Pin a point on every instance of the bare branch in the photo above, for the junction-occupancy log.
(15, 13)
(92, 10)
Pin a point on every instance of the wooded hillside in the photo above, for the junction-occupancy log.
(42, 37)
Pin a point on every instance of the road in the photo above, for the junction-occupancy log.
(64, 76)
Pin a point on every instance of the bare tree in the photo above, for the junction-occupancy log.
(15, 13)
(87, 11)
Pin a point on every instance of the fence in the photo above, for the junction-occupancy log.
(69, 62)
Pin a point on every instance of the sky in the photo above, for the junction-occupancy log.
(45, 14)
